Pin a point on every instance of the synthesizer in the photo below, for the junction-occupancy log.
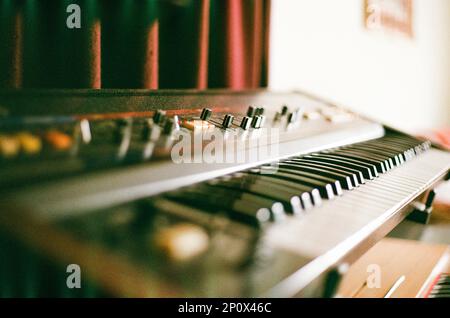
(198, 193)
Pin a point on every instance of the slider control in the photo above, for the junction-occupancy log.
(263, 121)
(159, 116)
(251, 111)
(85, 130)
(206, 114)
(245, 123)
(292, 117)
(171, 125)
(227, 121)
(256, 122)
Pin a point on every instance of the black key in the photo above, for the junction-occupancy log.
(294, 188)
(415, 144)
(210, 187)
(276, 194)
(353, 180)
(325, 189)
(407, 151)
(296, 175)
(266, 189)
(344, 163)
(381, 168)
(243, 213)
(387, 160)
(342, 178)
(238, 206)
(392, 157)
(368, 155)
(371, 167)
(390, 148)
(383, 148)
(356, 174)
(305, 191)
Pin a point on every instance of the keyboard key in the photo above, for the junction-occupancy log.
(263, 188)
(344, 163)
(381, 168)
(347, 181)
(239, 206)
(295, 189)
(338, 181)
(388, 164)
(356, 174)
(325, 189)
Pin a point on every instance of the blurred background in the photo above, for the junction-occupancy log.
(389, 59)
(398, 77)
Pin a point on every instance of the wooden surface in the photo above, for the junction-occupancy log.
(392, 258)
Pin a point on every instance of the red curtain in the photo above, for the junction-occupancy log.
(135, 44)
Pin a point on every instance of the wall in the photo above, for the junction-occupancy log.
(321, 46)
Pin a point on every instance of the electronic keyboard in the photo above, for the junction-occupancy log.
(198, 193)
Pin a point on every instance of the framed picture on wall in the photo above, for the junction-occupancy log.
(394, 16)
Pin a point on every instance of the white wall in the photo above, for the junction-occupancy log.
(321, 46)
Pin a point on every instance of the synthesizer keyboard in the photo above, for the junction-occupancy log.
(198, 193)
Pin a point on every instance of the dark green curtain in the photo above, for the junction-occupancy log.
(134, 44)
